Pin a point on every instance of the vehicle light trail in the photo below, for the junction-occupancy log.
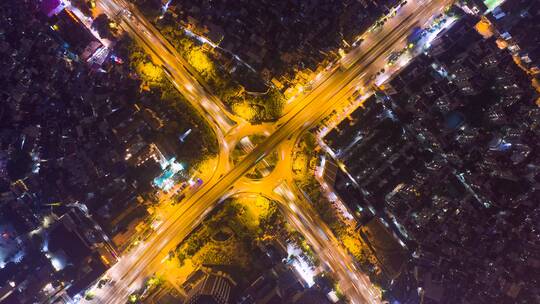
(328, 94)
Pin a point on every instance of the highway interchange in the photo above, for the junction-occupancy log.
(329, 93)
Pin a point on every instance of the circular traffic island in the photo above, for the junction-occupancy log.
(265, 166)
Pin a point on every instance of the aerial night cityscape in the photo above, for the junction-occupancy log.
(270, 151)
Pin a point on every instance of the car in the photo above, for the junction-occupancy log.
(127, 13)
(179, 197)
(103, 282)
(196, 184)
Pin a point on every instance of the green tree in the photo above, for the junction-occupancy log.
(101, 25)
(83, 6)
(269, 222)
(150, 8)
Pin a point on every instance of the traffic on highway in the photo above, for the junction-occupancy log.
(329, 93)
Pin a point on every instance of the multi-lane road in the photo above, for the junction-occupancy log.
(328, 93)
(181, 74)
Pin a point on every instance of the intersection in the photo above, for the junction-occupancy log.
(329, 94)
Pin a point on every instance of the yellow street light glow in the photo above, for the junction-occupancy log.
(196, 94)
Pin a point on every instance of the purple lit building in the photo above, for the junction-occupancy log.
(52, 7)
